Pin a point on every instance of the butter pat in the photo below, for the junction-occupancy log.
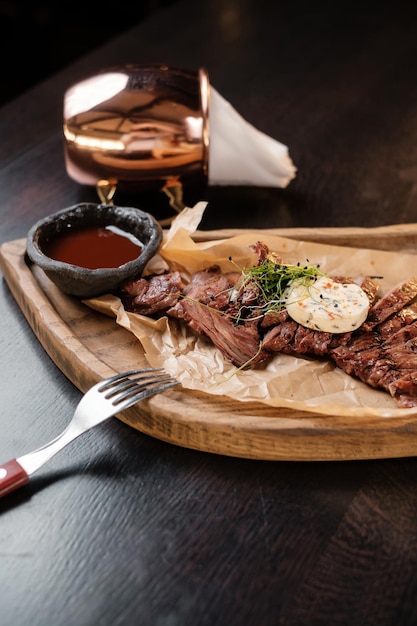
(326, 305)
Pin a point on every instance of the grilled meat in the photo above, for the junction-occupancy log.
(152, 296)
(381, 353)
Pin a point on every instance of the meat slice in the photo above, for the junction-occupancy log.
(395, 300)
(209, 287)
(239, 343)
(212, 287)
(152, 295)
(290, 337)
(394, 323)
(383, 352)
(404, 390)
(386, 365)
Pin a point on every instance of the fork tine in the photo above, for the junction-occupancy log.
(126, 389)
(144, 392)
(108, 383)
(132, 382)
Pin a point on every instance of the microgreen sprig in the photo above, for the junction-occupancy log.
(272, 280)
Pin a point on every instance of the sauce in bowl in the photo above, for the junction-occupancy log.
(94, 247)
(91, 249)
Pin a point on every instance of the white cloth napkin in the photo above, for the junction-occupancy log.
(239, 154)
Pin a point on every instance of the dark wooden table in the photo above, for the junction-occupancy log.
(121, 529)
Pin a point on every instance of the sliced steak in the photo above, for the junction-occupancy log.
(396, 322)
(210, 288)
(392, 302)
(239, 343)
(290, 337)
(152, 295)
(383, 352)
(229, 312)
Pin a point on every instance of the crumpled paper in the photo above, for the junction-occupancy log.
(240, 154)
(305, 384)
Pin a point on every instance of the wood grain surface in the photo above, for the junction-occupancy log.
(88, 346)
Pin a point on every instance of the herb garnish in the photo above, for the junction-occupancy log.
(272, 280)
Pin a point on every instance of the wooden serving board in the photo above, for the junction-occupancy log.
(88, 346)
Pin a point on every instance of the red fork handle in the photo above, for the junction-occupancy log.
(12, 476)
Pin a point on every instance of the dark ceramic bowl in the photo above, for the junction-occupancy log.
(81, 281)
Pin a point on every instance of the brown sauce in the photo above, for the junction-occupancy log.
(94, 247)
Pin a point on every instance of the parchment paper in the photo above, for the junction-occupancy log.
(306, 384)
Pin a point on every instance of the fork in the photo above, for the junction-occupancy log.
(103, 400)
